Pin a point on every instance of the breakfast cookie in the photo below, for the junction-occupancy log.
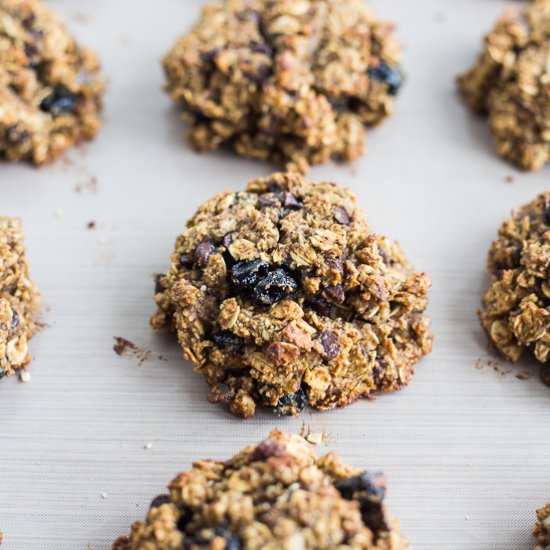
(542, 528)
(294, 82)
(270, 496)
(282, 296)
(19, 299)
(511, 82)
(517, 304)
(49, 89)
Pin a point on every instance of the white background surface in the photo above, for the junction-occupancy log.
(467, 452)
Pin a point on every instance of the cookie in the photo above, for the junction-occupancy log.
(542, 528)
(49, 88)
(294, 82)
(516, 314)
(282, 296)
(274, 495)
(511, 83)
(19, 299)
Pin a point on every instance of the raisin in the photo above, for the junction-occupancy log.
(14, 320)
(246, 274)
(291, 404)
(60, 101)
(227, 340)
(319, 305)
(159, 501)
(276, 286)
(391, 76)
(203, 251)
(330, 343)
(205, 538)
(336, 293)
(341, 215)
(369, 490)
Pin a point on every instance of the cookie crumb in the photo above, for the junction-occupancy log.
(510, 179)
(493, 364)
(91, 225)
(524, 375)
(25, 376)
(128, 348)
(148, 446)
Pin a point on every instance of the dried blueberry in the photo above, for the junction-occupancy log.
(369, 490)
(226, 339)
(204, 538)
(391, 76)
(276, 286)
(14, 320)
(291, 404)
(59, 102)
(203, 251)
(159, 501)
(246, 275)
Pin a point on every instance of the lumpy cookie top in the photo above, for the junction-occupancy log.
(49, 89)
(542, 528)
(517, 304)
(274, 495)
(19, 299)
(282, 296)
(511, 81)
(290, 81)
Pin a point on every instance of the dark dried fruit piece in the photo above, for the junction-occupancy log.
(60, 101)
(341, 215)
(291, 404)
(336, 293)
(203, 251)
(391, 76)
(212, 538)
(276, 286)
(160, 500)
(291, 202)
(247, 274)
(331, 344)
(227, 340)
(186, 260)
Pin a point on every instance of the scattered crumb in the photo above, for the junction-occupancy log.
(91, 225)
(315, 438)
(59, 212)
(510, 179)
(494, 364)
(148, 446)
(25, 376)
(90, 185)
(128, 348)
(524, 375)
(162, 358)
(104, 495)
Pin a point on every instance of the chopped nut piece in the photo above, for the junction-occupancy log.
(50, 94)
(271, 496)
(510, 82)
(295, 83)
(263, 333)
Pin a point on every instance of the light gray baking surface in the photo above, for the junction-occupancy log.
(467, 452)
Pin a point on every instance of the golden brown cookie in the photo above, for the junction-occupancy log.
(19, 299)
(270, 496)
(49, 88)
(511, 82)
(282, 296)
(294, 82)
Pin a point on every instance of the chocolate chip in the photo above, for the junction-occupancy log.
(331, 344)
(545, 374)
(291, 202)
(336, 293)
(203, 251)
(159, 501)
(341, 215)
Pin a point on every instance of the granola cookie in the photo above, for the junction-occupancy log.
(19, 299)
(542, 528)
(517, 304)
(274, 495)
(49, 89)
(294, 82)
(282, 296)
(511, 82)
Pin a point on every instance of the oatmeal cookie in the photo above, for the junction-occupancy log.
(517, 304)
(49, 89)
(511, 82)
(19, 299)
(282, 296)
(542, 528)
(274, 495)
(294, 82)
